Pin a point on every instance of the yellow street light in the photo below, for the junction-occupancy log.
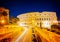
(2, 21)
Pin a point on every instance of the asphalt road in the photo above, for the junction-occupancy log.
(39, 35)
(32, 35)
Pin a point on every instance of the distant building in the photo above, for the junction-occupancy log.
(59, 22)
(14, 20)
(40, 19)
(4, 16)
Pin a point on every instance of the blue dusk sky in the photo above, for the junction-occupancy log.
(17, 7)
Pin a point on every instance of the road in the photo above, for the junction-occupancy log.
(39, 35)
(31, 36)
(47, 36)
(20, 37)
(34, 34)
(10, 32)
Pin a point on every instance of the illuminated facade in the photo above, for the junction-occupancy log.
(4, 15)
(40, 19)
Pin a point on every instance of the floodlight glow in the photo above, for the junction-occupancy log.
(55, 21)
(3, 21)
(46, 24)
(21, 24)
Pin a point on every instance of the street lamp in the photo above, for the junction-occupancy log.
(2, 21)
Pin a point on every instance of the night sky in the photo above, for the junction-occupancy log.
(17, 7)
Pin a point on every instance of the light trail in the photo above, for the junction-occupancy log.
(20, 37)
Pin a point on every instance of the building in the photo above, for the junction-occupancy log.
(59, 22)
(40, 19)
(4, 16)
